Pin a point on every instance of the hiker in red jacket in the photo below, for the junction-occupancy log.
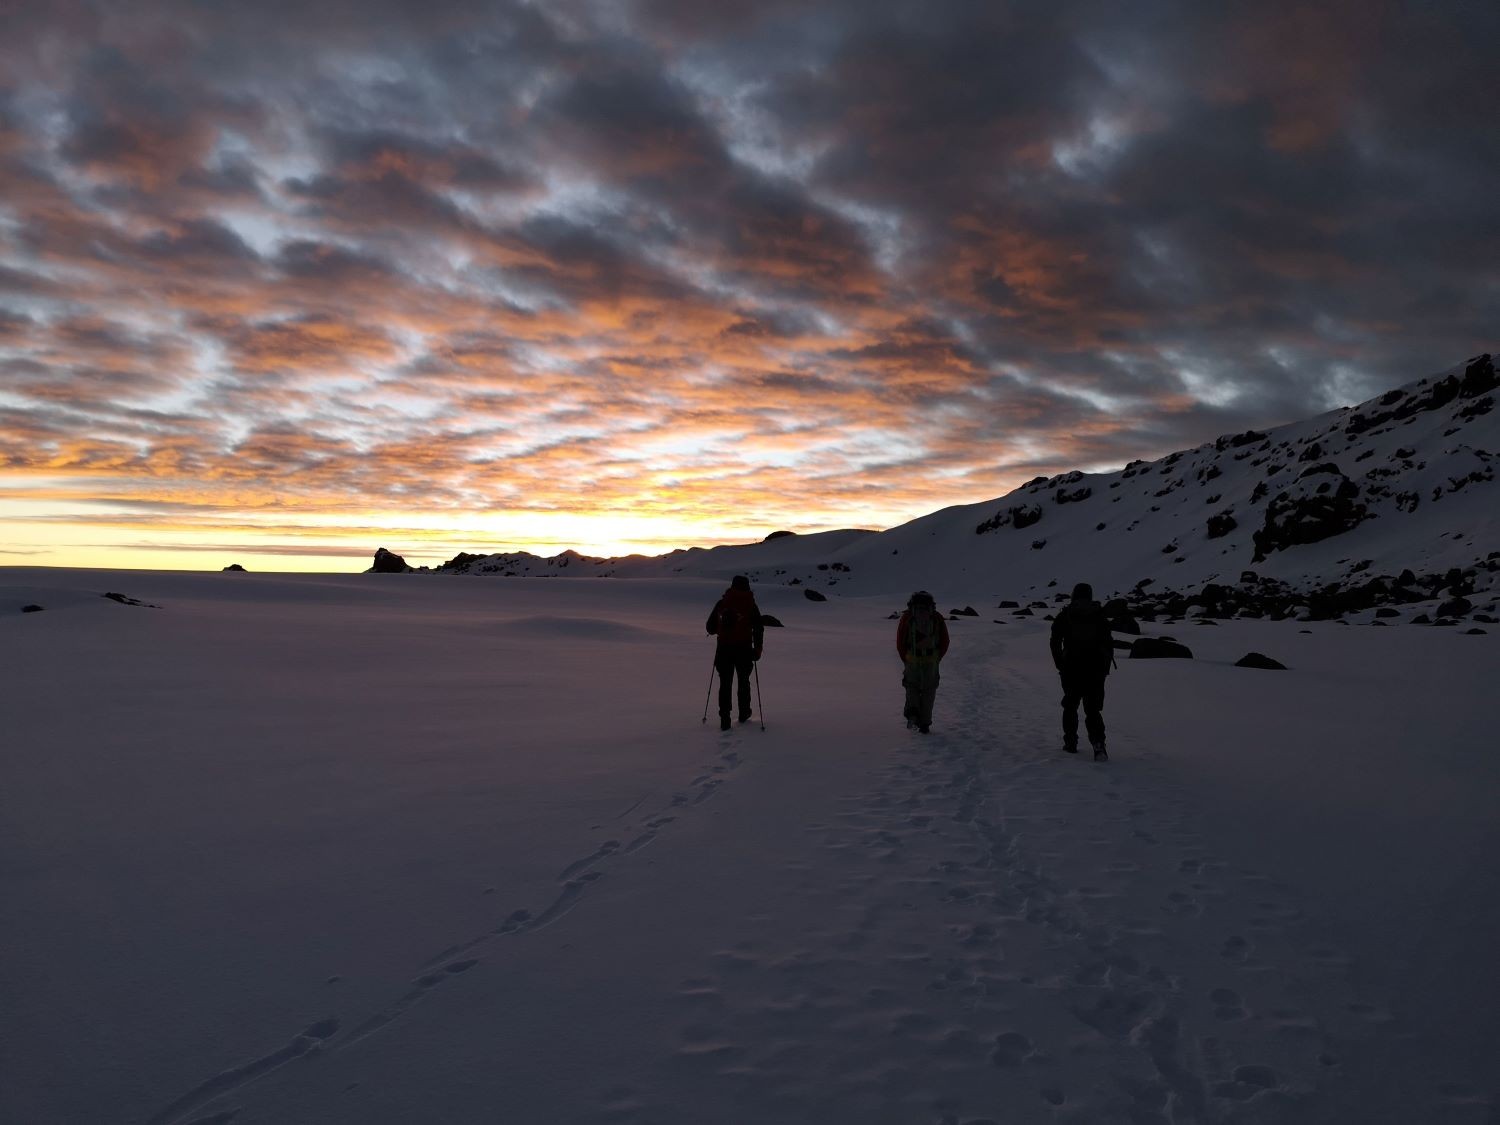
(922, 641)
(735, 620)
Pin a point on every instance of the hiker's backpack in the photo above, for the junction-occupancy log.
(1087, 640)
(736, 621)
(923, 635)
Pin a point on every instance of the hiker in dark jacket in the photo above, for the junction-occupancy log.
(735, 620)
(1083, 649)
(922, 641)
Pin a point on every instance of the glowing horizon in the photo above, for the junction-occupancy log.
(332, 551)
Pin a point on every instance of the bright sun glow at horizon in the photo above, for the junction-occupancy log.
(338, 547)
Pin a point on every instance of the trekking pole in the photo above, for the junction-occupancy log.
(709, 696)
(760, 704)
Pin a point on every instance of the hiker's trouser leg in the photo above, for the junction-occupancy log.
(1087, 689)
(724, 665)
(1093, 709)
(921, 684)
(743, 664)
(924, 706)
(733, 664)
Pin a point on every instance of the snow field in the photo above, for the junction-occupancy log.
(401, 848)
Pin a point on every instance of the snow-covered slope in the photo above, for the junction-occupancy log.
(1403, 481)
(389, 850)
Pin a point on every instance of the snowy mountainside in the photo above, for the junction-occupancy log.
(1403, 481)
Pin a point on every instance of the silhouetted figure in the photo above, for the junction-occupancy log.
(1083, 650)
(735, 620)
(922, 641)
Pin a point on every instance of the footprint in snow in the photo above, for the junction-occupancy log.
(1235, 948)
(1227, 1004)
(608, 848)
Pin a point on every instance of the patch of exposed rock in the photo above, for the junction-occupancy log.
(388, 562)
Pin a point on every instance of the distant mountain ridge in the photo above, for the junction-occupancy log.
(1402, 482)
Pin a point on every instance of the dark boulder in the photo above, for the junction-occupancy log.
(1018, 516)
(1259, 660)
(1159, 648)
(1007, 604)
(1293, 520)
(1121, 620)
(771, 622)
(1238, 440)
(31, 609)
(813, 595)
(1455, 607)
(1456, 582)
(967, 611)
(777, 535)
(126, 600)
(1221, 525)
(460, 563)
(1386, 611)
(234, 568)
(1212, 595)
(1326, 467)
(1479, 376)
(388, 562)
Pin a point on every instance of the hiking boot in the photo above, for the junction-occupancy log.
(1070, 747)
(1100, 755)
(744, 716)
(723, 722)
(925, 728)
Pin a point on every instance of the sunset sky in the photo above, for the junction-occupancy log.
(283, 282)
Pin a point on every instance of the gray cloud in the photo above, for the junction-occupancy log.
(509, 245)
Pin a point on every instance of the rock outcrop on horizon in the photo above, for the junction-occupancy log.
(388, 562)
